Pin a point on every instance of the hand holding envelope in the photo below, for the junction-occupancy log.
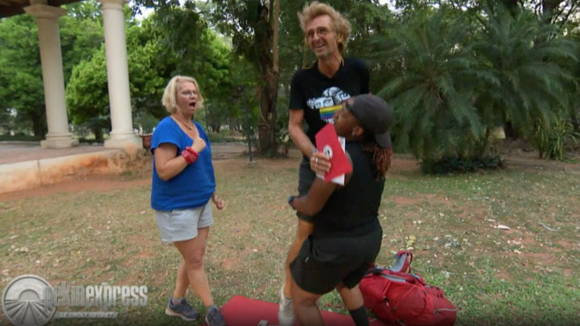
(328, 142)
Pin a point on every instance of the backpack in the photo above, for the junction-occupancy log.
(397, 296)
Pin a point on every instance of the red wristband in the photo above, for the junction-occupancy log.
(188, 156)
(192, 151)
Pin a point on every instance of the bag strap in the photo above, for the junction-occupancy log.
(395, 276)
(403, 261)
(409, 254)
(403, 277)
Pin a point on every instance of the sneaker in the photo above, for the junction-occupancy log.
(183, 310)
(286, 310)
(214, 317)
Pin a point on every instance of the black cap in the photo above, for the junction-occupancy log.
(374, 115)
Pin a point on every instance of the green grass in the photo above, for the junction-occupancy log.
(523, 276)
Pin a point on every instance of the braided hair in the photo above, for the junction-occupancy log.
(381, 156)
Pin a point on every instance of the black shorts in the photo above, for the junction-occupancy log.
(323, 264)
(306, 178)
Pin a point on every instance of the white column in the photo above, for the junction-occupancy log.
(52, 75)
(122, 134)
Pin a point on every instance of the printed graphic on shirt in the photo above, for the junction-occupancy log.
(330, 102)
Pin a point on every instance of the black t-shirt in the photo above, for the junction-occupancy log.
(320, 96)
(353, 210)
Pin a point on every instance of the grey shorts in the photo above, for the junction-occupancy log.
(182, 224)
(306, 178)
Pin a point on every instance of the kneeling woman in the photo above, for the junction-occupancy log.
(347, 234)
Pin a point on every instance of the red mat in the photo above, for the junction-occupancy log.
(242, 311)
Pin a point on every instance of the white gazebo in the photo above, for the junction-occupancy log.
(47, 13)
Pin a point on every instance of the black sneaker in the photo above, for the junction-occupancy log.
(183, 310)
(214, 317)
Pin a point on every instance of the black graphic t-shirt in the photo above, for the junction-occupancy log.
(320, 96)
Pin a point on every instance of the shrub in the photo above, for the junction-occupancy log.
(448, 164)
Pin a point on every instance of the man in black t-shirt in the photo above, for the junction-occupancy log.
(316, 93)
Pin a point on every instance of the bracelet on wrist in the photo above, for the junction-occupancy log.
(193, 152)
(188, 156)
(315, 150)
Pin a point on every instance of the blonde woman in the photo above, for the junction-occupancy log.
(182, 187)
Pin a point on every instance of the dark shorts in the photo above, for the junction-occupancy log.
(305, 179)
(323, 264)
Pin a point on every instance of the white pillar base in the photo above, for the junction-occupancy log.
(130, 143)
(64, 142)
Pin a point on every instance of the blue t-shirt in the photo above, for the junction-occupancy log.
(193, 186)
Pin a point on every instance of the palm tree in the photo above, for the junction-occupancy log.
(524, 57)
(431, 95)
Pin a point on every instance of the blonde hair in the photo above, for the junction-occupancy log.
(316, 9)
(169, 99)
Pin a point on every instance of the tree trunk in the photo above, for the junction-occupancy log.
(268, 92)
(39, 126)
(510, 131)
(276, 35)
(98, 131)
(267, 120)
(511, 5)
(548, 8)
(575, 119)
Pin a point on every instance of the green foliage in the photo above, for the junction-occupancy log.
(145, 123)
(87, 93)
(186, 46)
(431, 96)
(454, 164)
(20, 137)
(149, 71)
(21, 85)
(452, 70)
(81, 34)
(454, 78)
(552, 140)
(521, 54)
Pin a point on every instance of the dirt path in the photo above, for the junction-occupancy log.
(231, 157)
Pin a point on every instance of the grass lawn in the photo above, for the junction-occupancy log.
(527, 275)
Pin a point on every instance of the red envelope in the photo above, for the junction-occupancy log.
(327, 143)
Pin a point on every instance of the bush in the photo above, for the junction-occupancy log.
(447, 165)
(551, 140)
(20, 137)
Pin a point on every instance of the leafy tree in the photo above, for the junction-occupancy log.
(87, 94)
(522, 54)
(21, 85)
(156, 53)
(186, 46)
(253, 25)
(81, 34)
(431, 95)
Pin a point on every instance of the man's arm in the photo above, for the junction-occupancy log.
(297, 134)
